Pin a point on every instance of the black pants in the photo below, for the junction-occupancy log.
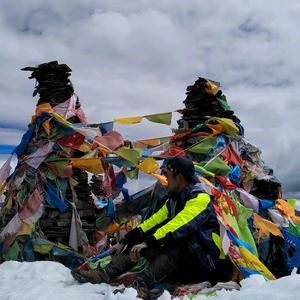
(174, 261)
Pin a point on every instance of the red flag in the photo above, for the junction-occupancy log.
(109, 182)
(181, 136)
(226, 183)
(173, 151)
(232, 156)
(73, 141)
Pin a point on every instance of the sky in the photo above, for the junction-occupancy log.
(137, 57)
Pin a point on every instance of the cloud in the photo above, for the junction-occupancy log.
(9, 136)
(138, 57)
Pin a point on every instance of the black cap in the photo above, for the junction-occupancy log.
(182, 165)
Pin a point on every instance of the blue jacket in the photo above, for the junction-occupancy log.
(191, 215)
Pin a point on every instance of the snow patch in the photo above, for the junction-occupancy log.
(45, 280)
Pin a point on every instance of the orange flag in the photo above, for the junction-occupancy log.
(265, 227)
(162, 179)
(286, 209)
(45, 107)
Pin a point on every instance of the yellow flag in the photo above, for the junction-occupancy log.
(9, 202)
(60, 119)
(44, 248)
(85, 147)
(151, 142)
(228, 125)
(3, 187)
(26, 229)
(92, 165)
(139, 144)
(129, 120)
(254, 263)
(149, 165)
(155, 141)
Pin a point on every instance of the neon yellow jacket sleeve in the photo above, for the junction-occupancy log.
(155, 219)
(188, 220)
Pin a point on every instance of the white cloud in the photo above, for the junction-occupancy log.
(137, 57)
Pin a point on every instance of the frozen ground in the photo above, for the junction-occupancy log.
(50, 280)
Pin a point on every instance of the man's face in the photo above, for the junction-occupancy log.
(174, 182)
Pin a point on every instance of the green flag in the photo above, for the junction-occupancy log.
(204, 172)
(204, 147)
(217, 166)
(243, 232)
(223, 102)
(164, 118)
(131, 154)
(13, 252)
(133, 174)
(294, 229)
(240, 223)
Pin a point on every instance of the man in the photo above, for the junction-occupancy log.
(181, 240)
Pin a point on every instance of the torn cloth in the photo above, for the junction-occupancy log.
(31, 206)
(35, 159)
(67, 108)
(12, 226)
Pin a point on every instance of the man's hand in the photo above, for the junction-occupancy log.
(135, 253)
(117, 248)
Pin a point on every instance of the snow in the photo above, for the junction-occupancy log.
(50, 280)
(45, 280)
(256, 288)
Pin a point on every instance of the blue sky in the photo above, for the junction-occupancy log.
(137, 57)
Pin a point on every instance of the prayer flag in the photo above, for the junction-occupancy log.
(129, 120)
(92, 165)
(149, 165)
(131, 154)
(163, 118)
(204, 147)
